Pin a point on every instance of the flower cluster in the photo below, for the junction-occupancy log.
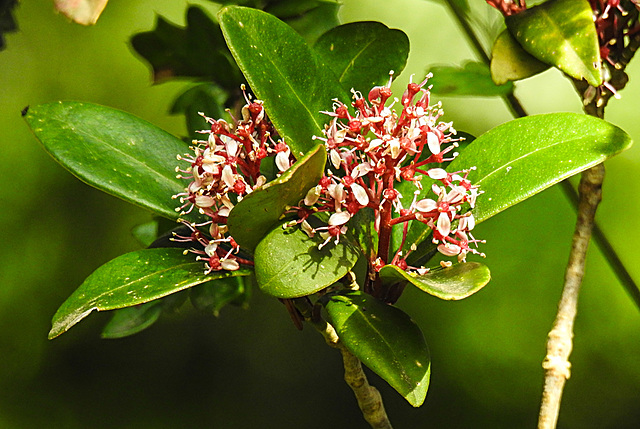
(370, 152)
(374, 149)
(223, 169)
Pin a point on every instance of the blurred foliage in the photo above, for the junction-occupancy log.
(250, 368)
(7, 22)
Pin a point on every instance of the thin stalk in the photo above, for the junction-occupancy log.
(368, 397)
(517, 110)
(559, 345)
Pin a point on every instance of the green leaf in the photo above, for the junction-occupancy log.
(473, 78)
(510, 62)
(288, 264)
(113, 151)
(456, 282)
(132, 320)
(259, 211)
(518, 159)
(214, 295)
(385, 339)
(313, 20)
(353, 51)
(146, 233)
(561, 33)
(284, 72)
(197, 50)
(131, 279)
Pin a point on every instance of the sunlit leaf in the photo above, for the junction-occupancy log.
(560, 33)
(353, 53)
(284, 72)
(385, 339)
(113, 151)
(456, 282)
(473, 78)
(510, 62)
(516, 160)
(131, 279)
(259, 211)
(288, 264)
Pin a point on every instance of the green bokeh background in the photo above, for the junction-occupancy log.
(252, 368)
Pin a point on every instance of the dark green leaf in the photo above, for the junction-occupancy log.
(518, 159)
(288, 263)
(456, 282)
(146, 233)
(312, 22)
(112, 150)
(259, 211)
(361, 54)
(363, 230)
(214, 295)
(510, 62)
(385, 339)
(131, 279)
(284, 72)
(561, 33)
(7, 21)
(131, 320)
(473, 78)
(207, 98)
(197, 50)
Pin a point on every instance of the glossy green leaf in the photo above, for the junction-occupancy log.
(288, 264)
(473, 78)
(196, 50)
(509, 61)
(453, 283)
(146, 233)
(561, 33)
(131, 279)
(385, 339)
(258, 212)
(353, 52)
(214, 295)
(518, 159)
(113, 151)
(284, 72)
(132, 320)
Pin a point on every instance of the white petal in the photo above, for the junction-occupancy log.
(394, 145)
(307, 228)
(224, 212)
(360, 193)
(448, 249)
(227, 176)
(433, 142)
(312, 196)
(229, 264)
(437, 173)
(444, 224)
(336, 160)
(426, 205)
(282, 160)
(210, 249)
(339, 218)
(204, 201)
(361, 170)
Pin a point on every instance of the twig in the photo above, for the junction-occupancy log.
(559, 344)
(368, 397)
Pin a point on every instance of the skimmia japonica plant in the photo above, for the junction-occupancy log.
(326, 190)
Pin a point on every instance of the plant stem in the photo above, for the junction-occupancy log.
(611, 256)
(368, 397)
(559, 344)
